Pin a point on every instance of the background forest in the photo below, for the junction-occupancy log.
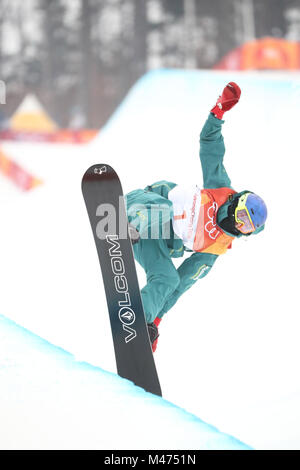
(80, 57)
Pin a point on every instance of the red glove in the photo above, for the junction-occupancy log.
(230, 96)
(154, 344)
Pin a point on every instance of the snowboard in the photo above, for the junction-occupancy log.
(103, 195)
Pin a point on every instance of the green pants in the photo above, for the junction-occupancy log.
(162, 276)
(155, 254)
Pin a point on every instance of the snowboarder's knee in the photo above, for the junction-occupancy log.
(169, 280)
(174, 280)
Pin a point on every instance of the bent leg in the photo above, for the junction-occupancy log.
(162, 276)
(149, 212)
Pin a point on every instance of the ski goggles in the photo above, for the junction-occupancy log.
(242, 216)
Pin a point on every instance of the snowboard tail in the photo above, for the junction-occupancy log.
(103, 195)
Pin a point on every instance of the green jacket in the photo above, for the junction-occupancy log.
(212, 151)
(198, 264)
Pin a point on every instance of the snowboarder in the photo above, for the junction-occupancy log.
(189, 219)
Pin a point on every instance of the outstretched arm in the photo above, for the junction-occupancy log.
(212, 148)
(193, 268)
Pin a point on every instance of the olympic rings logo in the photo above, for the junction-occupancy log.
(210, 226)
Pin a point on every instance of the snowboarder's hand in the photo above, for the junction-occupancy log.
(230, 96)
(133, 234)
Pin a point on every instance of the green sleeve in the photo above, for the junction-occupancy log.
(193, 268)
(212, 151)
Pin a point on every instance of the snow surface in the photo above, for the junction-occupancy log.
(51, 401)
(229, 349)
